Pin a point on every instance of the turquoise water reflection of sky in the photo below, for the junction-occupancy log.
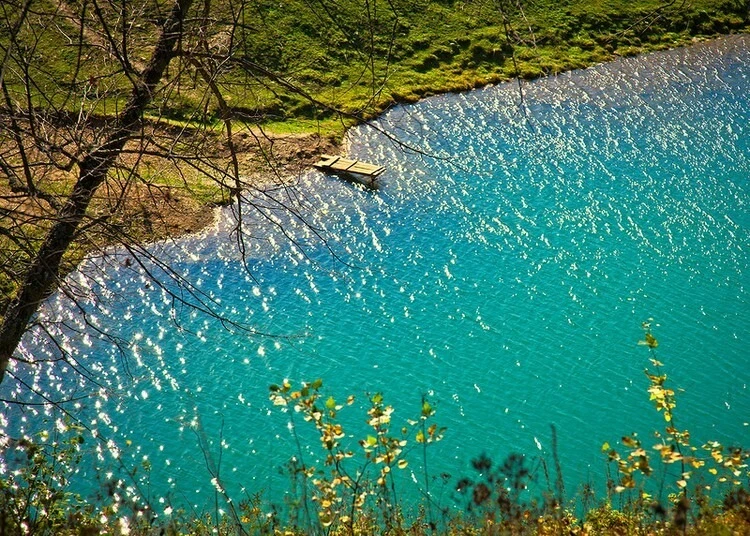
(504, 272)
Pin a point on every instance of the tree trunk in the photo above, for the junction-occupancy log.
(42, 277)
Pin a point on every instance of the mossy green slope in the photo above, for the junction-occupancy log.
(362, 62)
(302, 61)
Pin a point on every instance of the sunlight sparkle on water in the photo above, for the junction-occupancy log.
(507, 280)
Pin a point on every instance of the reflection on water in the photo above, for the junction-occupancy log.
(503, 269)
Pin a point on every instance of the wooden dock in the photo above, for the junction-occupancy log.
(355, 169)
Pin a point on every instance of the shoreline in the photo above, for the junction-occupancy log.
(295, 153)
(163, 211)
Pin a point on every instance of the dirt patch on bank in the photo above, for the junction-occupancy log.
(147, 197)
(186, 201)
(166, 197)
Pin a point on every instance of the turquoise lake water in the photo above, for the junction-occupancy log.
(503, 269)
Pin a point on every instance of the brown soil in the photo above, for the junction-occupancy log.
(168, 211)
(175, 199)
(165, 200)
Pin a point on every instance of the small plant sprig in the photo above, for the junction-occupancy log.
(383, 449)
(496, 494)
(427, 434)
(329, 489)
(35, 496)
(726, 465)
(340, 493)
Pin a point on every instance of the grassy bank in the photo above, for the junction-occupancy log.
(369, 62)
(304, 64)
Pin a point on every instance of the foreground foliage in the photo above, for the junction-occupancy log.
(353, 489)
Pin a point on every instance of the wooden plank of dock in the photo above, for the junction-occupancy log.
(338, 164)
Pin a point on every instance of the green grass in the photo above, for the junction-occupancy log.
(339, 53)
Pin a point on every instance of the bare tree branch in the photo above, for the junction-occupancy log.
(42, 276)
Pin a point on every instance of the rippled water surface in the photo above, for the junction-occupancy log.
(503, 268)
